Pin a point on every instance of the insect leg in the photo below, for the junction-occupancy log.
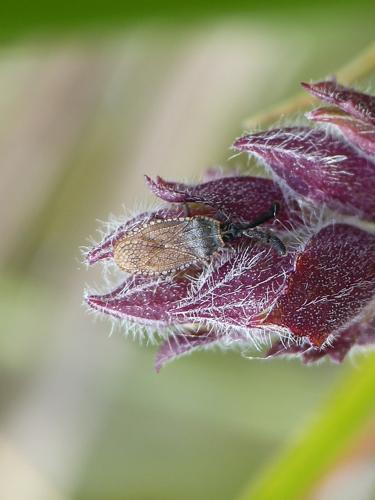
(265, 217)
(267, 237)
(187, 211)
(232, 230)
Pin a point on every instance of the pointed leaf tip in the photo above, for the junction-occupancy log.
(181, 344)
(143, 299)
(353, 102)
(357, 132)
(318, 167)
(226, 195)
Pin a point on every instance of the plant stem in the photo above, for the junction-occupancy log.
(362, 66)
(298, 471)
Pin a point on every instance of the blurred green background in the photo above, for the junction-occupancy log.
(92, 96)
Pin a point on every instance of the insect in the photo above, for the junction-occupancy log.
(164, 246)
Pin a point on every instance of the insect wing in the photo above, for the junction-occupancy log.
(167, 245)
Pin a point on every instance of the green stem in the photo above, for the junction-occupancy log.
(362, 66)
(295, 474)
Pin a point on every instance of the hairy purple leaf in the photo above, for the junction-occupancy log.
(359, 133)
(359, 334)
(179, 345)
(240, 198)
(357, 104)
(316, 166)
(333, 283)
(235, 290)
(141, 299)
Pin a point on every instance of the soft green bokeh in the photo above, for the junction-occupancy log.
(90, 99)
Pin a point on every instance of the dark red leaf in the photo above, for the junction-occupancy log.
(333, 283)
(316, 166)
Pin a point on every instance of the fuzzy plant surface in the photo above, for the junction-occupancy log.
(318, 300)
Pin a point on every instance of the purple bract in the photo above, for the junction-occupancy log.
(315, 302)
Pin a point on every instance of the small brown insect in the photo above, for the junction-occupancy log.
(164, 246)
